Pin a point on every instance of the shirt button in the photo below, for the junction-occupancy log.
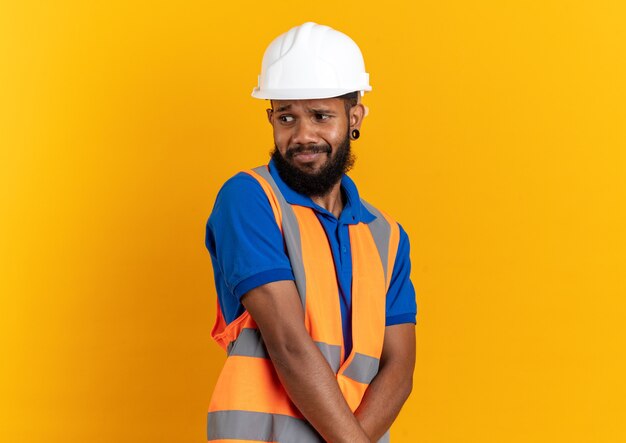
(343, 249)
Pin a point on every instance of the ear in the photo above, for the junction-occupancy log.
(357, 113)
(270, 112)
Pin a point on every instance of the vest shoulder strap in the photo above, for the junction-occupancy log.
(384, 229)
(386, 233)
(288, 224)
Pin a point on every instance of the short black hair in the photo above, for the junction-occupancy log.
(349, 100)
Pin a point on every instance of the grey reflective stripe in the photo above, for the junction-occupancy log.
(381, 231)
(386, 438)
(363, 368)
(248, 344)
(259, 426)
(291, 233)
(332, 354)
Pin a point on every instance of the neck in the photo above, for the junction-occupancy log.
(333, 201)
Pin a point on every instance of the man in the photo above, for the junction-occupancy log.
(316, 308)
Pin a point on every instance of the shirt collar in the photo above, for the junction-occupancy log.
(353, 212)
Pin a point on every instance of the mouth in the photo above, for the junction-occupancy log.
(307, 156)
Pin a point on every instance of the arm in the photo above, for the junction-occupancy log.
(393, 383)
(301, 368)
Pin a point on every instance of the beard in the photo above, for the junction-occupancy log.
(314, 184)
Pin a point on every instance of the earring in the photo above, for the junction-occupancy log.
(355, 134)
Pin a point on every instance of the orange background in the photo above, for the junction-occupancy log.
(496, 136)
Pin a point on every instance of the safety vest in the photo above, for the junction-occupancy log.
(249, 403)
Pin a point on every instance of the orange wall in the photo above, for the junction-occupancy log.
(496, 136)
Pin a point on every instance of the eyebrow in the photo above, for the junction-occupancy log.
(310, 110)
(320, 111)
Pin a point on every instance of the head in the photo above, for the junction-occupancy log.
(312, 140)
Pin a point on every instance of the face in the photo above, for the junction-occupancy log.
(312, 144)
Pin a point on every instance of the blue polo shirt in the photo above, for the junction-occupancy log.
(247, 248)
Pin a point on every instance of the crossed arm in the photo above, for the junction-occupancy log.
(309, 381)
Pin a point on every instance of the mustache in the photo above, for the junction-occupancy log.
(313, 149)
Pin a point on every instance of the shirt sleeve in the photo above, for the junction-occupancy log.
(245, 243)
(401, 304)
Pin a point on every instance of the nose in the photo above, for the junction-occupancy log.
(304, 133)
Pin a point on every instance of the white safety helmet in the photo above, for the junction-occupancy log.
(311, 61)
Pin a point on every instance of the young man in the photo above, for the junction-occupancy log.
(316, 308)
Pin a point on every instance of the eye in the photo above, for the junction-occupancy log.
(285, 118)
(322, 117)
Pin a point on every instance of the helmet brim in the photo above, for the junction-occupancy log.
(305, 94)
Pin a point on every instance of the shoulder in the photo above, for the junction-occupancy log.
(239, 190)
(375, 211)
(381, 220)
(239, 183)
(372, 214)
(240, 197)
(403, 244)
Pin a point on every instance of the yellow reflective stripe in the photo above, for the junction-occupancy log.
(362, 368)
(332, 354)
(259, 426)
(385, 438)
(381, 232)
(250, 344)
(291, 233)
